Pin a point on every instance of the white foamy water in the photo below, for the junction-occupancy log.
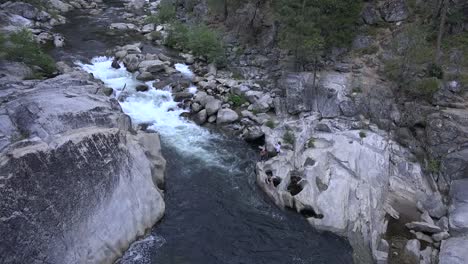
(156, 107)
(184, 69)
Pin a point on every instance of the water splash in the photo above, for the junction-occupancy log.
(157, 107)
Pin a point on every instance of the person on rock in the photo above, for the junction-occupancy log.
(278, 148)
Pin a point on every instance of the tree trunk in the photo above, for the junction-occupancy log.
(443, 17)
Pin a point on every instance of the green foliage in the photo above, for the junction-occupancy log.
(178, 36)
(166, 13)
(199, 39)
(362, 134)
(20, 46)
(433, 165)
(310, 26)
(426, 87)
(434, 70)
(289, 138)
(206, 42)
(458, 41)
(311, 143)
(270, 123)
(237, 100)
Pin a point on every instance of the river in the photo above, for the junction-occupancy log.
(214, 211)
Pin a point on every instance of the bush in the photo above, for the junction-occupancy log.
(434, 70)
(23, 48)
(369, 50)
(206, 42)
(426, 87)
(433, 166)
(311, 143)
(362, 134)
(178, 36)
(270, 123)
(166, 14)
(200, 39)
(289, 138)
(236, 100)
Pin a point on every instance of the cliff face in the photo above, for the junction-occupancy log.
(77, 183)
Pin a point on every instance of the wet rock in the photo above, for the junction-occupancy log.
(142, 88)
(394, 10)
(107, 91)
(152, 66)
(423, 227)
(201, 117)
(145, 76)
(115, 64)
(181, 96)
(131, 62)
(226, 116)
(454, 251)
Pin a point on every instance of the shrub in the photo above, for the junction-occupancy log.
(166, 14)
(311, 143)
(270, 123)
(178, 36)
(433, 165)
(199, 39)
(434, 70)
(237, 100)
(23, 48)
(357, 89)
(362, 134)
(426, 87)
(206, 42)
(289, 138)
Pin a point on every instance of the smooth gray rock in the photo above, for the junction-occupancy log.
(423, 227)
(412, 251)
(440, 236)
(226, 116)
(201, 117)
(252, 133)
(213, 106)
(454, 251)
(72, 172)
(426, 256)
(458, 215)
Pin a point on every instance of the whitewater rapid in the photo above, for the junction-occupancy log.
(158, 109)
